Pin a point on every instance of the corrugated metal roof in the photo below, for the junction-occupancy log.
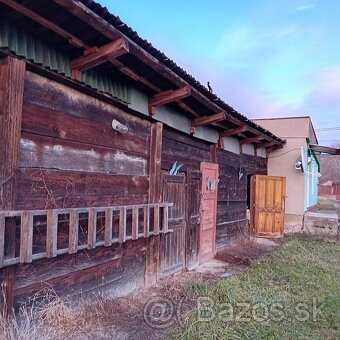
(33, 49)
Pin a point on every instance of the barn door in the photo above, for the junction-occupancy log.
(267, 206)
(193, 227)
(172, 247)
(208, 211)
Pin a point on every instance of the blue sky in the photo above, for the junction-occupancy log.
(266, 58)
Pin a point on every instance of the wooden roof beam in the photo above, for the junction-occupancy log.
(252, 140)
(167, 97)
(234, 131)
(73, 40)
(97, 55)
(265, 145)
(205, 120)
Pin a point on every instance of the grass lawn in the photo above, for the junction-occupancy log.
(293, 293)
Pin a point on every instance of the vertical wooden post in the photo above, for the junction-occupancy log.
(92, 229)
(135, 217)
(108, 227)
(52, 233)
(155, 196)
(122, 225)
(213, 153)
(73, 231)
(12, 78)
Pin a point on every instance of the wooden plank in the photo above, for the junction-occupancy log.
(69, 189)
(26, 237)
(122, 225)
(156, 219)
(165, 219)
(98, 159)
(40, 120)
(168, 97)
(234, 131)
(135, 216)
(73, 231)
(146, 221)
(92, 228)
(73, 40)
(2, 239)
(51, 233)
(99, 55)
(108, 227)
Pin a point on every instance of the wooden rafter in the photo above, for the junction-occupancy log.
(44, 22)
(265, 145)
(167, 97)
(234, 131)
(205, 120)
(98, 55)
(251, 140)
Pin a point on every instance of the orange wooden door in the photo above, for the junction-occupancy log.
(268, 205)
(207, 247)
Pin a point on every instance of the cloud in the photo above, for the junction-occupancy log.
(304, 7)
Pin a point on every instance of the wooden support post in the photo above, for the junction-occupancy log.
(12, 78)
(213, 153)
(155, 192)
(122, 225)
(51, 233)
(167, 97)
(73, 231)
(26, 237)
(135, 216)
(108, 227)
(92, 229)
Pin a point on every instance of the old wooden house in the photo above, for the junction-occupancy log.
(116, 166)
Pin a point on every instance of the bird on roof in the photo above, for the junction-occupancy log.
(209, 87)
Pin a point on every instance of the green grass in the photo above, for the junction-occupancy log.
(279, 296)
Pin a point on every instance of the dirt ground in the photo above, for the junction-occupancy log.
(155, 313)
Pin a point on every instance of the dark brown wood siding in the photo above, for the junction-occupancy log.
(71, 157)
(232, 193)
(184, 149)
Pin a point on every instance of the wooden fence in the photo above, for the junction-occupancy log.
(146, 220)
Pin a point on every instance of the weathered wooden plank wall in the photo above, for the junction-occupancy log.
(232, 193)
(185, 150)
(71, 157)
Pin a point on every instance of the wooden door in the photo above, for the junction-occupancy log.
(267, 206)
(208, 211)
(193, 225)
(172, 246)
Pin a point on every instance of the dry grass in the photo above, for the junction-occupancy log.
(45, 316)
